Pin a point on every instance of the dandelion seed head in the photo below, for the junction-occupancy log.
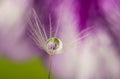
(47, 41)
(53, 46)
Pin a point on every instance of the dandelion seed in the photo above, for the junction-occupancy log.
(51, 44)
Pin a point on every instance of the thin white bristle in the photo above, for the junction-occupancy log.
(40, 24)
(38, 28)
(34, 33)
(37, 42)
(56, 31)
(83, 34)
(80, 38)
(50, 27)
(85, 31)
(35, 37)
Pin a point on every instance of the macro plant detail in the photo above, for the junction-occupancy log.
(77, 39)
(50, 44)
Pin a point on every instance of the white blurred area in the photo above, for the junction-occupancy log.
(11, 16)
(94, 57)
(99, 58)
(12, 29)
(11, 12)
